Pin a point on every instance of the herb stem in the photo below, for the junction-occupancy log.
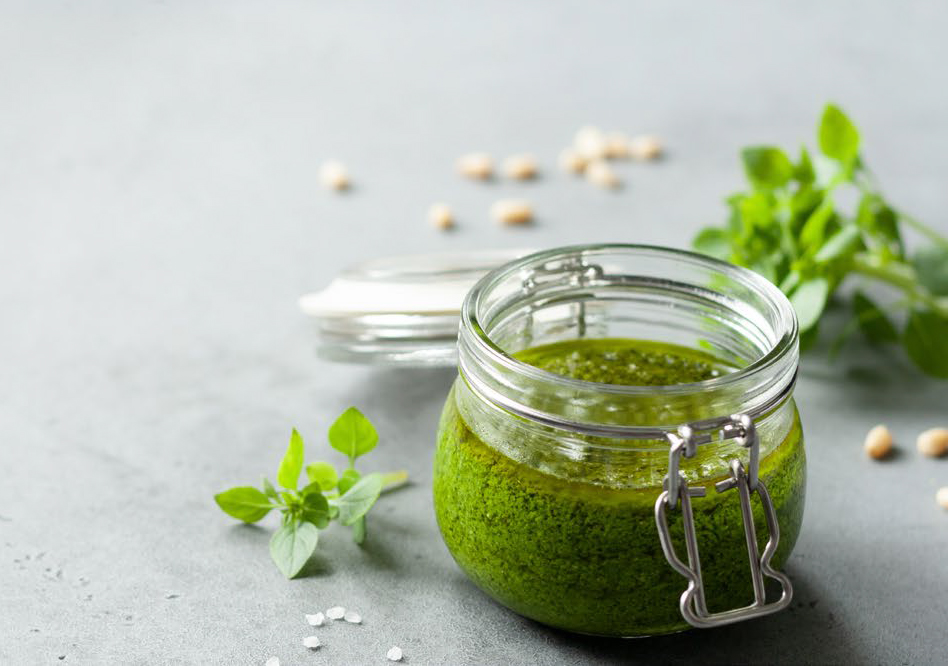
(925, 230)
(900, 276)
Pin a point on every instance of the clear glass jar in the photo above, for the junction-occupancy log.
(546, 487)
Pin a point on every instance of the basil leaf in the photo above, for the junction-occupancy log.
(790, 282)
(352, 434)
(814, 229)
(270, 491)
(809, 337)
(359, 498)
(322, 473)
(292, 545)
(879, 220)
(926, 341)
(713, 242)
(244, 503)
(931, 265)
(838, 137)
(292, 463)
(315, 506)
(348, 479)
(767, 167)
(839, 243)
(803, 171)
(873, 322)
(808, 300)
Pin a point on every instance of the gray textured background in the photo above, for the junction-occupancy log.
(160, 215)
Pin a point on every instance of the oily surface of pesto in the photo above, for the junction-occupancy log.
(584, 557)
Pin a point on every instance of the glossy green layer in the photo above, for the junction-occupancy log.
(587, 558)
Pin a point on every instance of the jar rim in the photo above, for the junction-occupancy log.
(772, 359)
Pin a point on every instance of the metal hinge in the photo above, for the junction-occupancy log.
(676, 491)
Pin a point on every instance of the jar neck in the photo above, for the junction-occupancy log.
(627, 291)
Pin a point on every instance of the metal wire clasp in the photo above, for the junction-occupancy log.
(675, 490)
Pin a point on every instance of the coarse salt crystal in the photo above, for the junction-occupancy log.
(316, 620)
(311, 642)
(273, 661)
(336, 613)
(394, 653)
(352, 617)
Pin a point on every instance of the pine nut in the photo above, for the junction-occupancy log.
(933, 442)
(440, 216)
(601, 174)
(645, 148)
(590, 142)
(571, 161)
(878, 442)
(617, 146)
(512, 212)
(479, 166)
(521, 167)
(334, 175)
(942, 497)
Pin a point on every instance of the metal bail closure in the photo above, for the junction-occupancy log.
(675, 489)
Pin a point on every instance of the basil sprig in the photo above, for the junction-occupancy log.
(326, 496)
(793, 227)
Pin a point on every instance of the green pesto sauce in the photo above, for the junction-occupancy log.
(584, 557)
(624, 362)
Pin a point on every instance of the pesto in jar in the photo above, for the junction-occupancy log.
(576, 554)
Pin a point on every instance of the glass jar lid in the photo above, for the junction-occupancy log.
(400, 311)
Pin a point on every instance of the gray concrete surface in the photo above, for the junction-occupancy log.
(160, 215)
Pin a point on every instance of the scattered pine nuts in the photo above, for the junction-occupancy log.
(933, 442)
(311, 642)
(336, 613)
(571, 161)
(521, 167)
(878, 442)
(600, 173)
(394, 653)
(479, 166)
(645, 147)
(590, 142)
(617, 146)
(316, 620)
(512, 212)
(352, 617)
(941, 496)
(273, 661)
(334, 175)
(440, 216)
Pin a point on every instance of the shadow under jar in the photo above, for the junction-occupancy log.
(586, 376)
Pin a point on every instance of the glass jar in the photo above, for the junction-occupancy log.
(577, 500)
